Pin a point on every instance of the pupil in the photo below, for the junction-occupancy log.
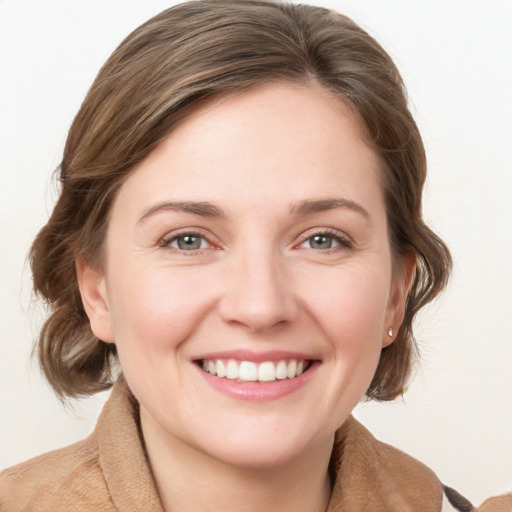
(189, 242)
(321, 242)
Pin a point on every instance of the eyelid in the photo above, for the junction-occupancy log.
(342, 238)
(192, 231)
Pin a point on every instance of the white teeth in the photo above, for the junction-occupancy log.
(221, 369)
(292, 369)
(267, 371)
(248, 371)
(232, 370)
(281, 370)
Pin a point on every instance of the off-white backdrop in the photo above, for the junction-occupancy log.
(456, 60)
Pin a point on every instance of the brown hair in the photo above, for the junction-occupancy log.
(157, 76)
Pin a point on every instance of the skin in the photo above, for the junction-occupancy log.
(257, 282)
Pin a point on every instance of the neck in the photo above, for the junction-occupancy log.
(191, 481)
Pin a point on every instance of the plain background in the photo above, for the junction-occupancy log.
(455, 57)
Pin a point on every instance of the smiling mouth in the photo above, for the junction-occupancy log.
(248, 371)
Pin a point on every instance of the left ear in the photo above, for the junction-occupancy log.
(94, 295)
(395, 312)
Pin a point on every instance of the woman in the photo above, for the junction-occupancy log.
(239, 229)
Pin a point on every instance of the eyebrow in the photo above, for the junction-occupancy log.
(207, 209)
(314, 206)
(202, 208)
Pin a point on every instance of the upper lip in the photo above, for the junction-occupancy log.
(256, 357)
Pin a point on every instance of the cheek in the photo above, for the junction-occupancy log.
(350, 306)
(155, 309)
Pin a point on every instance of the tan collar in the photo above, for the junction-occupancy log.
(368, 476)
(374, 477)
(122, 455)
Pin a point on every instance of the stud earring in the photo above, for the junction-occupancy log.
(390, 332)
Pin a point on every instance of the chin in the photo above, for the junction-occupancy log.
(263, 444)
(257, 454)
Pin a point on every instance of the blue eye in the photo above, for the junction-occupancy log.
(326, 241)
(321, 242)
(188, 242)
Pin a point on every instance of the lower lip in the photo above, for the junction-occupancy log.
(258, 391)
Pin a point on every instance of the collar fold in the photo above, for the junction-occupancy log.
(374, 477)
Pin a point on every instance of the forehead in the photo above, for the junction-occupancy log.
(278, 142)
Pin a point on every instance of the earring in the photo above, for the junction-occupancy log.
(390, 332)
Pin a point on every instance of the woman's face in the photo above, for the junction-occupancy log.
(252, 244)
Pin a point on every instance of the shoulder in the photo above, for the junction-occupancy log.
(371, 475)
(66, 479)
(385, 478)
(497, 504)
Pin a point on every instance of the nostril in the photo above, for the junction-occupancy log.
(258, 314)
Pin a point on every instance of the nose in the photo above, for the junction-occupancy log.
(259, 294)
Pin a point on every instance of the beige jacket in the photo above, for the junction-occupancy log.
(109, 472)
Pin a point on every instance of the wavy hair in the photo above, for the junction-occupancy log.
(162, 72)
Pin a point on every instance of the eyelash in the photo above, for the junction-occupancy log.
(342, 241)
(168, 240)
